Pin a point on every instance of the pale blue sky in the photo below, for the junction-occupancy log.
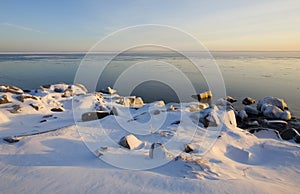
(66, 25)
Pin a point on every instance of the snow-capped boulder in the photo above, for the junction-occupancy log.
(130, 142)
(131, 101)
(108, 90)
(4, 99)
(280, 103)
(273, 112)
(248, 101)
(276, 124)
(10, 89)
(158, 151)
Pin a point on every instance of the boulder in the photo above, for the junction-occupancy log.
(248, 101)
(130, 142)
(231, 99)
(243, 115)
(23, 97)
(158, 151)
(288, 134)
(108, 90)
(204, 95)
(4, 99)
(15, 109)
(250, 110)
(280, 103)
(58, 109)
(131, 101)
(276, 124)
(90, 116)
(273, 112)
(11, 89)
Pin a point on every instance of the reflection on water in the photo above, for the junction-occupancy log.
(254, 74)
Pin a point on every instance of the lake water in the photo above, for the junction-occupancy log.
(254, 74)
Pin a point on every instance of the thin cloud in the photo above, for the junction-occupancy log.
(21, 27)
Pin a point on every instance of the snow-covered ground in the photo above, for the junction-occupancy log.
(85, 157)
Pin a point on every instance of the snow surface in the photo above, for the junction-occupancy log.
(226, 159)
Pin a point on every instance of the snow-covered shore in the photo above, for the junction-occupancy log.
(222, 158)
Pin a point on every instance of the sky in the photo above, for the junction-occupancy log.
(77, 25)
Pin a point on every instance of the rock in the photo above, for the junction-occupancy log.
(276, 124)
(23, 97)
(4, 99)
(224, 105)
(58, 109)
(11, 139)
(47, 86)
(90, 116)
(15, 109)
(191, 147)
(36, 106)
(288, 134)
(204, 95)
(158, 151)
(248, 101)
(230, 99)
(243, 115)
(273, 112)
(176, 123)
(59, 90)
(252, 124)
(130, 142)
(250, 110)
(11, 89)
(280, 103)
(108, 90)
(131, 101)
(267, 133)
(80, 86)
(68, 93)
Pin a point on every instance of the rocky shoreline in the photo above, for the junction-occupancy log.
(268, 115)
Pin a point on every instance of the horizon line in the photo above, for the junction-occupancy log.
(82, 52)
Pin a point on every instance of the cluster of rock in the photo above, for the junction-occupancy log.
(46, 99)
(270, 114)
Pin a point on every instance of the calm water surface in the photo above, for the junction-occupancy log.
(254, 74)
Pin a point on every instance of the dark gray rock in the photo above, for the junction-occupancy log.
(276, 124)
(280, 103)
(288, 134)
(58, 109)
(250, 110)
(90, 116)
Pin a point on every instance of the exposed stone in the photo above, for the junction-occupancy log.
(231, 99)
(23, 97)
(58, 109)
(11, 89)
(15, 109)
(4, 99)
(243, 115)
(250, 110)
(273, 112)
(108, 90)
(280, 103)
(276, 124)
(158, 151)
(36, 106)
(288, 134)
(204, 95)
(130, 142)
(248, 101)
(90, 116)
